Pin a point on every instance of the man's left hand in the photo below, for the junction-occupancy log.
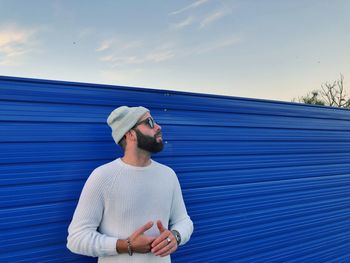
(165, 243)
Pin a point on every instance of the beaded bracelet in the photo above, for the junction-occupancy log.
(130, 252)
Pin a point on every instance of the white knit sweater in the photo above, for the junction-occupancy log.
(119, 198)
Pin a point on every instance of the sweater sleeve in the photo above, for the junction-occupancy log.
(83, 236)
(179, 219)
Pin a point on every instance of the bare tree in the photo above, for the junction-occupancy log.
(331, 94)
(334, 93)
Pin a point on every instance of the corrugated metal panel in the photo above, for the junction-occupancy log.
(264, 181)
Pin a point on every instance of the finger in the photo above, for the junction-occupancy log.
(160, 238)
(144, 228)
(160, 246)
(165, 249)
(149, 240)
(169, 251)
(160, 226)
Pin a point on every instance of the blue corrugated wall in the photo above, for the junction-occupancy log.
(263, 181)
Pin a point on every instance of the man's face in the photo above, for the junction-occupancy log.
(149, 143)
(149, 135)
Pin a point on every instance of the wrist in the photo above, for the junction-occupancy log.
(122, 246)
(130, 251)
(177, 236)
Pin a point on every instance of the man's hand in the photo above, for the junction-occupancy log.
(165, 243)
(141, 243)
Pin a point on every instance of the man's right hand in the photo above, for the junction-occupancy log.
(140, 243)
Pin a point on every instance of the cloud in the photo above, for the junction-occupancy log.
(14, 43)
(117, 44)
(160, 55)
(137, 56)
(104, 45)
(122, 60)
(213, 17)
(218, 45)
(188, 21)
(191, 6)
(116, 56)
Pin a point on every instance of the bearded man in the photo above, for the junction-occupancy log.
(131, 209)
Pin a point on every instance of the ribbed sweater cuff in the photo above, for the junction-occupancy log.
(110, 246)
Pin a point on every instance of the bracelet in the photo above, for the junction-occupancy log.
(130, 252)
(177, 236)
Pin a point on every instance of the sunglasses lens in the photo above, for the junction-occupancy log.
(151, 123)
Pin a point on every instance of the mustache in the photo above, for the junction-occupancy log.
(158, 134)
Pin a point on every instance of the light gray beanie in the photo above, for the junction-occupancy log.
(122, 119)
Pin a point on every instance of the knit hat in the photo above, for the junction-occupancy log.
(122, 119)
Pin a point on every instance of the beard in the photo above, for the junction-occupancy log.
(149, 143)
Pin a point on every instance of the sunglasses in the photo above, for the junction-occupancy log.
(149, 121)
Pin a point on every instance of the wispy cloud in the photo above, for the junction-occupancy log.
(104, 45)
(191, 6)
(213, 17)
(133, 54)
(184, 23)
(162, 53)
(117, 57)
(224, 43)
(111, 44)
(14, 43)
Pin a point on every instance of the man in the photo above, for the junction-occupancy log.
(131, 209)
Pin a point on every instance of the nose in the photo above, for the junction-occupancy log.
(158, 127)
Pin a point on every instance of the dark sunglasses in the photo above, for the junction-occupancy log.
(149, 121)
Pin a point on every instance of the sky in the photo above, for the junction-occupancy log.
(266, 49)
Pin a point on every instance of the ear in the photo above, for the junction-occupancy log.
(131, 135)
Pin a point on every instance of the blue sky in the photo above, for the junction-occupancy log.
(265, 49)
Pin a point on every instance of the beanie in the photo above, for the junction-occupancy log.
(122, 119)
